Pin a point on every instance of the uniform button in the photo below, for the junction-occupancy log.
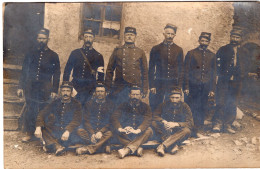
(37, 75)
(169, 53)
(124, 74)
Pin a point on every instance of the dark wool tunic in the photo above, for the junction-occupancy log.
(166, 64)
(97, 116)
(60, 116)
(138, 117)
(180, 114)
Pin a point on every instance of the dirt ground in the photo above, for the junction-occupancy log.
(211, 151)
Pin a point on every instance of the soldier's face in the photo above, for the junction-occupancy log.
(135, 95)
(66, 93)
(100, 93)
(235, 39)
(175, 98)
(169, 34)
(42, 40)
(204, 42)
(130, 37)
(88, 39)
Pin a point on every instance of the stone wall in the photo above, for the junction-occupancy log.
(63, 20)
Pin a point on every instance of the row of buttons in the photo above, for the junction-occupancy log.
(124, 61)
(38, 72)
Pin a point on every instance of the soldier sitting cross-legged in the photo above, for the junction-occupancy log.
(96, 117)
(172, 122)
(56, 122)
(131, 122)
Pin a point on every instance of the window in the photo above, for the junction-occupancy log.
(104, 18)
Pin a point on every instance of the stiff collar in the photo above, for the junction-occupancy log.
(62, 101)
(100, 101)
(132, 45)
(45, 49)
(200, 48)
(87, 48)
(167, 43)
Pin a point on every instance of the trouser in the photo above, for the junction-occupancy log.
(37, 96)
(162, 87)
(227, 98)
(132, 141)
(93, 147)
(52, 136)
(198, 102)
(120, 93)
(84, 88)
(171, 138)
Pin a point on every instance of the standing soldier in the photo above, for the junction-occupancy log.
(39, 81)
(200, 79)
(57, 121)
(97, 128)
(165, 67)
(88, 68)
(130, 65)
(173, 122)
(131, 122)
(231, 69)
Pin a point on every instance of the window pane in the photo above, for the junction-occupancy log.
(93, 24)
(92, 11)
(111, 33)
(113, 13)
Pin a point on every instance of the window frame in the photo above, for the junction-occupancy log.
(102, 19)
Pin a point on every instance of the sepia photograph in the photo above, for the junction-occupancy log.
(131, 84)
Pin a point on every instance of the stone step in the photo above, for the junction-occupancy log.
(12, 106)
(12, 71)
(11, 124)
(10, 89)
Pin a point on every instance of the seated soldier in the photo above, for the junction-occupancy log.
(131, 122)
(172, 122)
(96, 115)
(56, 122)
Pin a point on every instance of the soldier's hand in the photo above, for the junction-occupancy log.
(20, 92)
(211, 94)
(186, 92)
(65, 135)
(136, 131)
(121, 130)
(173, 125)
(38, 132)
(98, 135)
(153, 90)
(53, 95)
(253, 75)
(128, 129)
(93, 139)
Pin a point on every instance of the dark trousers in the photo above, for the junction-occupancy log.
(52, 136)
(120, 93)
(198, 102)
(132, 141)
(162, 87)
(171, 138)
(93, 147)
(227, 98)
(37, 96)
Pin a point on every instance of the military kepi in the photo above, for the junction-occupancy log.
(171, 26)
(205, 35)
(66, 84)
(89, 31)
(237, 31)
(175, 90)
(130, 30)
(44, 31)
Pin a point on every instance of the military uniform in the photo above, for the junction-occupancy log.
(84, 80)
(97, 119)
(231, 69)
(138, 117)
(165, 70)
(200, 80)
(40, 76)
(56, 118)
(130, 65)
(180, 114)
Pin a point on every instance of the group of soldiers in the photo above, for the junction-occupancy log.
(110, 109)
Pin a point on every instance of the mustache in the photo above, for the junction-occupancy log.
(87, 42)
(65, 95)
(234, 42)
